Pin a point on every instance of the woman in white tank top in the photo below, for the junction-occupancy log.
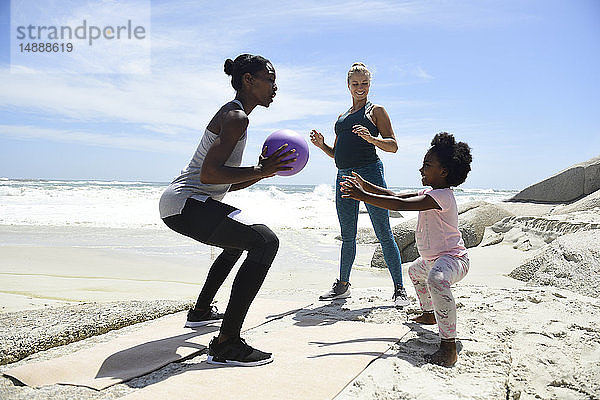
(192, 206)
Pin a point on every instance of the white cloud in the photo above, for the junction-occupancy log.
(422, 74)
(188, 84)
(406, 74)
(178, 99)
(313, 13)
(179, 102)
(120, 141)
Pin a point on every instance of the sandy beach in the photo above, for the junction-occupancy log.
(102, 264)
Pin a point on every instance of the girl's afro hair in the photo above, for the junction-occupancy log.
(455, 157)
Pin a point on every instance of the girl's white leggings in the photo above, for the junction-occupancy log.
(432, 280)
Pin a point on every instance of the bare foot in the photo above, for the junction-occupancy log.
(446, 356)
(427, 318)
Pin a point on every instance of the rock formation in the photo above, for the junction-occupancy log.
(566, 186)
(570, 262)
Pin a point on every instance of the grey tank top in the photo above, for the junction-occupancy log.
(188, 184)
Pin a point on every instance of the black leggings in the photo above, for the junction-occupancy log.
(207, 222)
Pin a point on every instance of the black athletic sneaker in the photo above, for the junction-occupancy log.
(197, 318)
(338, 291)
(236, 352)
(400, 298)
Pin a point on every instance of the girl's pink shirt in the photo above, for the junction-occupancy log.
(437, 231)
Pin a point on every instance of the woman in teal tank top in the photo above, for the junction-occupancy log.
(358, 132)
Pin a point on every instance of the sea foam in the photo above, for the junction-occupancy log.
(135, 204)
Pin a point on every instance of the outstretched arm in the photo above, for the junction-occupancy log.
(372, 188)
(261, 160)
(352, 188)
(214, 170)
(318, 140)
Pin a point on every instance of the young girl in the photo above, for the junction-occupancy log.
(358, 132)
(192, 206)
(443, 257)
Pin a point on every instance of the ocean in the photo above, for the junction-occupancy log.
(96, 240)
(123, 217)
(134, 205)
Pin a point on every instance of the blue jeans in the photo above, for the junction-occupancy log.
(347, 211)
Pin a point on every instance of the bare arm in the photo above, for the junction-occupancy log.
(318, 140)
(416, 203)
(214, 170)
(352, 188)
(387, 141)
(243, 185)
(406, 195)
(372, 188)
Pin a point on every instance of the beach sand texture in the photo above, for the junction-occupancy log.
(517, 340)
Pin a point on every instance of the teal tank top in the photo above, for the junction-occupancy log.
(351, 150)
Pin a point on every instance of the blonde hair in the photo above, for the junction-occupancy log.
(360, 68)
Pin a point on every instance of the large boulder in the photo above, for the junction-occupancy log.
(566, 186)
(473, 218)
(590, 202)
(404, 235)
(570, 262)
(472, 222)
(363, 236)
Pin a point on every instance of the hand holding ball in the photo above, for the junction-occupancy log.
(294, 141)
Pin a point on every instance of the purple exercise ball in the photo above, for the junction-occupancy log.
(294, 141)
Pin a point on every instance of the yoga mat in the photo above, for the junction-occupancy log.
(311, 361)
(155, 345)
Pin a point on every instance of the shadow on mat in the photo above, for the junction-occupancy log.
(324, 315)
(152, 355)
(332, 312)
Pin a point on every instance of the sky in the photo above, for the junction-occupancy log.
(516, 80)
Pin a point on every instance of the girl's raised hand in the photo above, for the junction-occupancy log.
(366, 186)
(351, 187)
(277, 161)
(359, 179)
(317, 139)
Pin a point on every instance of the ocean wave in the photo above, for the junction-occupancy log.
(135, 204)
(10, 191)
(102, 183)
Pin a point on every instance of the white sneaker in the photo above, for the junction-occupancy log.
(400, 298)
(338, 291)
